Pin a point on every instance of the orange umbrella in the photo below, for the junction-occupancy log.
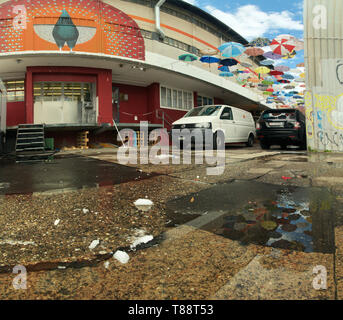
(254, 52)
(254, 80)
(301, 65)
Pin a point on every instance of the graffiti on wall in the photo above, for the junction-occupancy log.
(73, 25)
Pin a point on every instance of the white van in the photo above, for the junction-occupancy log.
(238, 125)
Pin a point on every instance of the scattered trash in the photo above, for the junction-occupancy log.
(143, 204)
(286, 178)
(61, 267)
(141, 240)
(94, 244)
(192, 200)
(106, 264)
(85, 210)
(121, 256)
(57, 221)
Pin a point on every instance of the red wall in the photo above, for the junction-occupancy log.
(103, 80)
(15, 113)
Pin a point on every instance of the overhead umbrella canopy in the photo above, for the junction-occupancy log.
(188, 57)
(267, 93)
(253, 80)
(276, 73)
(209, 52)
(288, 87)
(284, 81)
(231, 49)
(272, 55)
(290, 55)
(282, 68)
(287, 76)
(228, 62)
(246, 64)
(209, 59)
(226, 74)
(262, 70)
(254, 52)
(282, 44)
(224, 68)
(260, 42)
(267, 62)
(267, 83)
(302, 75)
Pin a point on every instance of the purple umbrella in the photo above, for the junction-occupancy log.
(272, 55)
(282, 68)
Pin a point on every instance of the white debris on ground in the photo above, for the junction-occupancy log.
(143, 204)
(84, 210)
(106, 264)
(94, 244)
(57, 221)
(16, 242)
(139, 237)
(121, 256)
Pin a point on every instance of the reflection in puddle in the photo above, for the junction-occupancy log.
(285, 223)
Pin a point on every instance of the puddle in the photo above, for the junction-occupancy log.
(301, 219)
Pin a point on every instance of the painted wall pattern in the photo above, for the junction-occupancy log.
(69, 25)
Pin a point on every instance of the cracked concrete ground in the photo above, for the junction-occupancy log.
(187, 262)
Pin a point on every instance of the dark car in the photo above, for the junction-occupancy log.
(281, 127)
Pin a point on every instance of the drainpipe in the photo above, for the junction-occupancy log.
(158, 18)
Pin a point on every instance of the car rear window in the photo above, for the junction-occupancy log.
(279, 116)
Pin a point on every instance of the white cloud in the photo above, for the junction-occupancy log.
(251, 22)
(193, 2)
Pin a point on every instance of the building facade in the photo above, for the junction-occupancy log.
(83, 64)
(324, 70)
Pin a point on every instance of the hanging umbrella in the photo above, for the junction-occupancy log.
(290, 55)
(282, 68)
(282, 45)
(272, 55)
(267, 93)
(301, 65)
(209, 52)
(302, 75)
(289, 87)
(253, 80)
(226, 74)
(262, 70)
(188, 57)
(224, 68)
(260, 42)
(254, 52)
(284, 81)
(231, 49)
(209, 59)
(267, 62)
(276, 73)
(287, 76)
(262, 87)
(296, 70)
(267, 83)
(245, 64)
(228, 62)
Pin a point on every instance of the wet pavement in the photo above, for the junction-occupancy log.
(255, 232)
(67, 172)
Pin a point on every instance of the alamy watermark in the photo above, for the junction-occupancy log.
(206, 145)
(320, 281)
(20, 281)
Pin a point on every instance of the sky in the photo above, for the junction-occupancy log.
(259, 18)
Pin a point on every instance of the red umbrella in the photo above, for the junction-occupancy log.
(276, 73)
(254, 52)
(282, 45)
(270, 90)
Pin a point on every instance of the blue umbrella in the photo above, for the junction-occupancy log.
(209, 59)
(287, 76)
(224, 69)
(226, 74)
(228, 62)
(267, 62)
(231, 49)
(188, 57)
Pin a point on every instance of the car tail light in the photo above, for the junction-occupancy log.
(258, 126)
(296, 125)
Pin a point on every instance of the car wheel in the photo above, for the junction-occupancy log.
(250, 141)
(264, 145)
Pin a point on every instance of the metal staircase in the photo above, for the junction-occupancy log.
(30, 144)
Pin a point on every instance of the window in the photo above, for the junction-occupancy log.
(176, 99)
(66, 91)
(15, 90)
(204, 101)
(226, 114)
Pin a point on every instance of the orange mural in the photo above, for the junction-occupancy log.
(69, 25)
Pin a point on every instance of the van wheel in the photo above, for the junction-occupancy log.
(217, 141)
(250, 141)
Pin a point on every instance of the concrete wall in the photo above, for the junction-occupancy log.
(324, 80)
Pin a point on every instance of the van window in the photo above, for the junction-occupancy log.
(226, 114)
(203, 111)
